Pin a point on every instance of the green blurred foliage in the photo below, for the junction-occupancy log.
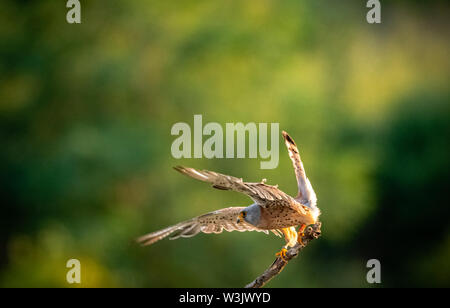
(86, 112)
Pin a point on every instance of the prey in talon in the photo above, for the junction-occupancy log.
(272, 210)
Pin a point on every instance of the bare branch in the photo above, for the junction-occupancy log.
(311, 233)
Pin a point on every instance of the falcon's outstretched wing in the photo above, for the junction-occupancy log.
(306, 194)
(214, 222)
(260, 193)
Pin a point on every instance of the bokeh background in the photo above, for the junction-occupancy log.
(85, 118)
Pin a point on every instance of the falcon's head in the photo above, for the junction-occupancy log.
(251, 214)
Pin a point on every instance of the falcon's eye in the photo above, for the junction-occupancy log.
(244, 214)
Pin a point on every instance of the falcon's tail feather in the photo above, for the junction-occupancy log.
(306, 194)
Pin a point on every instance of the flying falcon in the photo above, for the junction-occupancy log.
(272, 210)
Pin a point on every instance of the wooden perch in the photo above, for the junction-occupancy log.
(311, 233)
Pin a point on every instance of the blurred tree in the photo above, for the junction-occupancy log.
(411, 223)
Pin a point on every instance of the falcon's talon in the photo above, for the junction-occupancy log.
(282, 254)
(301, 233)
(300, 241)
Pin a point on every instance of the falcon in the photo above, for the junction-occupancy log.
(272, 209)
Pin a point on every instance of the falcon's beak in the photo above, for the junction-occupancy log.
(240, 217)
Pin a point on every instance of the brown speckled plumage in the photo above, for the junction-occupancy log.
(277, 211)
